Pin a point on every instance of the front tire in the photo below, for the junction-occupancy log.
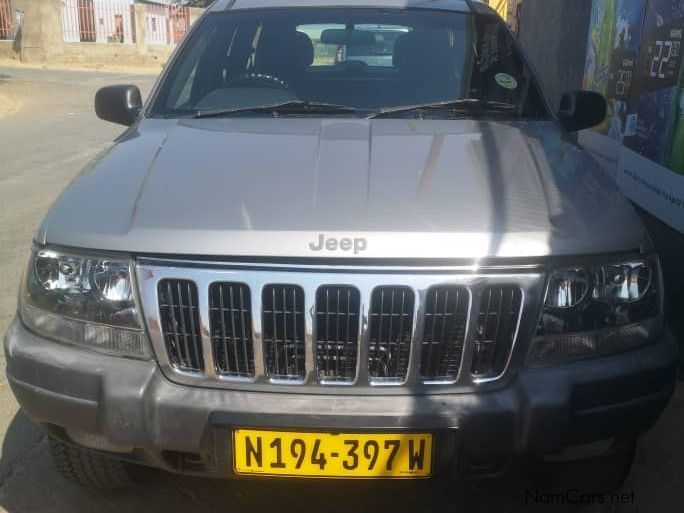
(88, 469)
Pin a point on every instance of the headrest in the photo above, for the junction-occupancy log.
(283, 52)
(240, 51)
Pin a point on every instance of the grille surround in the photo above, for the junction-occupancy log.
(530, 280)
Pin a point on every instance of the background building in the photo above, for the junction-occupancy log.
(509, 10)
(6, 23)
(97, 21)
(112, 21)
(634, 58)
(166, 21)
(631, 52)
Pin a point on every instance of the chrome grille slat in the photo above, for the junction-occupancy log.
(284, 332)
(232, 343)
(390, 343)
(296, 344)
(337, 322)
(244, 328)
(382, 338)
(258, 326)
(498, 318)
(193, 325)
(232, 330)
(446, 321)
(176, 314)
(181, 316)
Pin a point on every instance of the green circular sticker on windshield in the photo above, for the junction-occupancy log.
(506, 81)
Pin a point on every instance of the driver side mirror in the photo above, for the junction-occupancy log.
(119, 104)
(582, 109)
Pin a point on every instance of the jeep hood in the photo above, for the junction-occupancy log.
(410, 188)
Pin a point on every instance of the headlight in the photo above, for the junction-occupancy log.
(83, 300)
(598, 310)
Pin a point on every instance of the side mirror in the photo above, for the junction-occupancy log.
(118, 104)
(582, 109)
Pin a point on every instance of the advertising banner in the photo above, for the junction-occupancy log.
(634, 58)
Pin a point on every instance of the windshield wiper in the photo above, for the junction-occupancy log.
(288, 107)
(469, 105)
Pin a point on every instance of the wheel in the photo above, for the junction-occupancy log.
(88, 469)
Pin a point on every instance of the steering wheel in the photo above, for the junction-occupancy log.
(258, 80)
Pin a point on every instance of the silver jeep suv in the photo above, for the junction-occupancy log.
(295, 265)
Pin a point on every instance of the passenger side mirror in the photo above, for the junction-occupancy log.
(118, 104)
(582, 109)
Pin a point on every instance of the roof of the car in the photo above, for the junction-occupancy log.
(449, 5)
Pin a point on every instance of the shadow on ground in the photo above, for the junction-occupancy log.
(33, 486)
(669, 244)
(22, 435)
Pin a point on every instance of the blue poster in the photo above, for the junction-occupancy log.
(629, 18)
(660, 56)
(650, 124)
(599, 45)
(635, 59)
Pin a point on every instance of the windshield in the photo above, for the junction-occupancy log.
(359, 60)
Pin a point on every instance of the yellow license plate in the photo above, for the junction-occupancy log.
(338, 455)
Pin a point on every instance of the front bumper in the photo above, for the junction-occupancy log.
(130, 404)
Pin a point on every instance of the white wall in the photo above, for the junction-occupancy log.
(106, 12)
(157, 28)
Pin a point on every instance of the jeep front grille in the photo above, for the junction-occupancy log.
(230, 316)
(283, 331)
(496, 325)
(337, 333)
(391, 326)
(444, 332)
(180, 323)
(255, 328)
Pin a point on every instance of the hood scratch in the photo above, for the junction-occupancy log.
(370, 162)
(431, 165)
(317, 166)
(143, 184)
